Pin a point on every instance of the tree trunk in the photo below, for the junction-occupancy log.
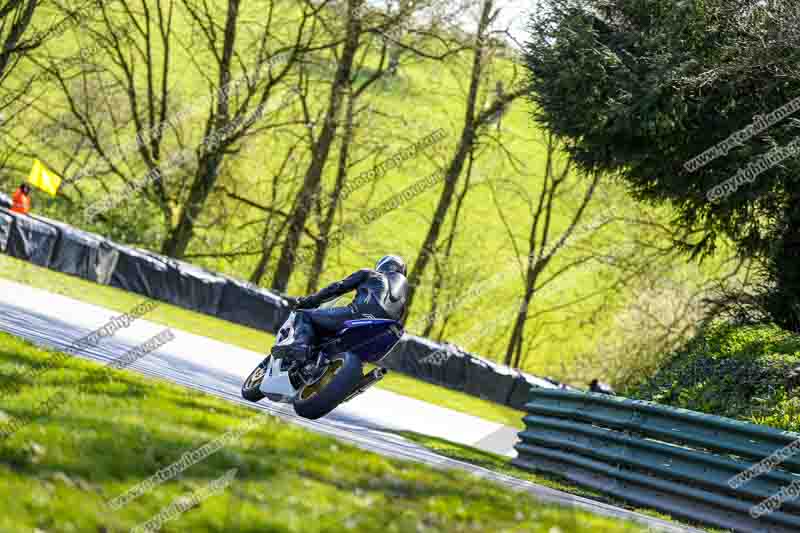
(448, 249)
(268, 242)
(269, 237)
(341, 177)
(178, 240)
(515, 343)
(784, 271)
(456, 165)
(16, 17)
(208, 167)
(320, 150)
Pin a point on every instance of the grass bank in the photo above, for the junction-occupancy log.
(737, 371)
(113, 430)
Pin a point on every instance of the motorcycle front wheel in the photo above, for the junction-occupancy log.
(339, 379)
(251, 387)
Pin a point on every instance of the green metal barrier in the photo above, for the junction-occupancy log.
(673, 460)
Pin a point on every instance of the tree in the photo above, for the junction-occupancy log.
(145, 121)
(329, 214)
(642, 87)
(313, 176)
(227, 125)
(543, 241)
(15, 18)
(364, 28)
(473, 120)
(22, 39)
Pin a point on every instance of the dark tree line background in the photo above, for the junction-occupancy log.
(642, 86)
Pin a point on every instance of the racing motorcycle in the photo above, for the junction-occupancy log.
(333, 374)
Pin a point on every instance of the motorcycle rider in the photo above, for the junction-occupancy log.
(380, 293)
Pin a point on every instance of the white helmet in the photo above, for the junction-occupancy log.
(391, 263)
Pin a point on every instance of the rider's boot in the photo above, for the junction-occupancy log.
(299, 349)
(296, 352)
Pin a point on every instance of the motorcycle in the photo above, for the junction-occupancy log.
(333, 374)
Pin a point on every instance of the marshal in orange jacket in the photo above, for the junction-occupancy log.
(22, 200)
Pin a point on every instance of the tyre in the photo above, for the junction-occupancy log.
(250, 387)
(340, 379)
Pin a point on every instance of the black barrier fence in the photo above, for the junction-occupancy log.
(80, 253)
(58, 246)
(462, 371)
(31, 240)
(5, 230)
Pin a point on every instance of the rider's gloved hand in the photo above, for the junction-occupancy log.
(304, 302)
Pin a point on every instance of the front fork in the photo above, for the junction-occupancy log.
(367, 380)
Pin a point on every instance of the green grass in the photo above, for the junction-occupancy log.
(457, 401)
(234, 334)
(114, 430)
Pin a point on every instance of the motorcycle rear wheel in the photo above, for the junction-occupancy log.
(340, 378)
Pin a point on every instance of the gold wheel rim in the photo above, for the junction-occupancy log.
(309, 391)
(256, 377)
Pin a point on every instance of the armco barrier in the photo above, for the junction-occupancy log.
(61, 247)
(673, 460)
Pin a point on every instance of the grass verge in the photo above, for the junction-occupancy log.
(234, 334)
(457, 401)
(112, 430)
(746, 372)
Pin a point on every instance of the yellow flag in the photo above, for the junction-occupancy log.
(44, 179)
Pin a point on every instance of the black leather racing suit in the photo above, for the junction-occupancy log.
(378, 295)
